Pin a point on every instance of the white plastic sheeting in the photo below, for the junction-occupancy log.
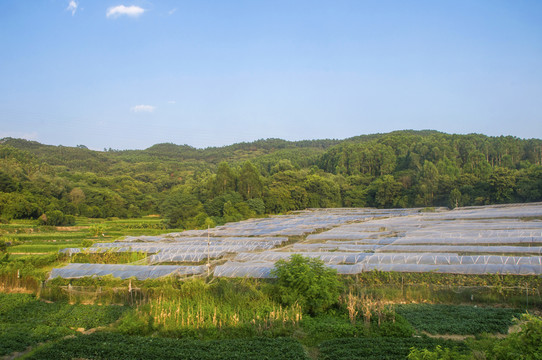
(165, 257)
(327, 257)
(173, 238)
(263, 270)
(155, 248)
(334, 246)
(480, 240)
(140, 272)
(476, 240)
(191, 249)
(300, 223)
(468, 269)
(241, 269)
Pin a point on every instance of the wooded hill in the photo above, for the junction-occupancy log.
(191, 187)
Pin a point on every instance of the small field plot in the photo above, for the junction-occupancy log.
(379, 348)
(116, 346)
(26, 321)
(458, 319)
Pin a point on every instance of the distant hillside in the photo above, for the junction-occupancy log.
(190, 186)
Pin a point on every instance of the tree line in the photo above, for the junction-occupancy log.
(198, 187)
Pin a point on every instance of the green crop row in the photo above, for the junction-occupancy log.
(40, 248)
(379, 348)
(457, 319)
(117, 346)
(25, 308)
(25, 320)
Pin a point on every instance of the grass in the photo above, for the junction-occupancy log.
(40, 248)
(223, 310)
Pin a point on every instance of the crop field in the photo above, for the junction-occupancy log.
(379, 348)
(54, 330)
(457, 319)
(116, 346)
(503, 239)
(422, 279)
(26, 321)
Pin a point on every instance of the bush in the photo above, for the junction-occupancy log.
(307, 282)
(56, 218)
(526, 344)
(398, 328)
(438, 354)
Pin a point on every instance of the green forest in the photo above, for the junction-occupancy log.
(193, 188)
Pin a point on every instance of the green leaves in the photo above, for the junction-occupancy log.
(457, 319)
(116, 346)
(25, 321)
(308, 282)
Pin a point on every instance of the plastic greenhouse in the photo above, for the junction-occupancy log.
(502, 239)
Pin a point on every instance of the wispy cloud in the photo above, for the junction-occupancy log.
(171, 102)
(72, 6)
(170, 12)
(120, 10)
(143, 108)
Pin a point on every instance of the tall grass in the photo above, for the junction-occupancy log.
(15, 283)
(171, 314)
(219, 309)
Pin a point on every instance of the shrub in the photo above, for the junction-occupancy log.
(526, 344)
(438, 354)
(308, 282)
(56, 218)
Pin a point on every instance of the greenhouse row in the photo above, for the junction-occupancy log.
(504, 239)
(140, 272)
(420, 248)
(263, 269)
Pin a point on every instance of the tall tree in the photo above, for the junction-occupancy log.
(250, 182)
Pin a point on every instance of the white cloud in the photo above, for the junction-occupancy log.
(143, 108)
(72, 6)
(171, 102)
(172, 11)
(132, 10)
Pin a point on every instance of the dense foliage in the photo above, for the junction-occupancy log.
(196, 187)
(308, 282)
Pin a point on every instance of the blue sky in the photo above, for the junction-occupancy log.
(130, 74)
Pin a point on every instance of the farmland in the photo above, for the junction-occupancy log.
(188, 180)
(238, 309)
(504, 239)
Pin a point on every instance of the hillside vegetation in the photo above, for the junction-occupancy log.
(194, 187)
